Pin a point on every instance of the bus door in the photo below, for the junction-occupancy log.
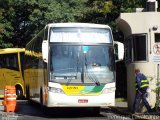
(2, 78)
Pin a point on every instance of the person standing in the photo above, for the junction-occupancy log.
(142, 85)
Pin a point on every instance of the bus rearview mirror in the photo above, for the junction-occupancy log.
(45, 50)
(119, 50)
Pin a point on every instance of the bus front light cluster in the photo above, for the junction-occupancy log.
(56, 90)
(109, 90)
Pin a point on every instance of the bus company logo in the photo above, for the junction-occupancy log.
(70, 88)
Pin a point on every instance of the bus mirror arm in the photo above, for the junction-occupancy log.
(45, 51)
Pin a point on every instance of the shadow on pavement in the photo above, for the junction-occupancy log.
(25, 109)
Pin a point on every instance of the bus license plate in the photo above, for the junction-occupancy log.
(82, 100)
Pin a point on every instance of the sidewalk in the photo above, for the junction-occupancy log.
(122, 108)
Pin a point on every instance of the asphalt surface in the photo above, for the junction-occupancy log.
(26, 111)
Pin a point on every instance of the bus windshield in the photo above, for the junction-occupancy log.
(78, 64)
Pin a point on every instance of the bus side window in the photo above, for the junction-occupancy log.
(11, 61)
(1, 61)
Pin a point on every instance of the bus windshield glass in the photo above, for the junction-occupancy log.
(81, 64)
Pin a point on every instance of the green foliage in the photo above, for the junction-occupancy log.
(20, 20)
(4, 31)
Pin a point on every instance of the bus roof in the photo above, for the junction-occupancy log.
(91, 25)
(11, 50)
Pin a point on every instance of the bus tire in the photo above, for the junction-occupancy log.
(19, 92)
(44, 109)
(41, 96)
(27, 92)
(94, 110)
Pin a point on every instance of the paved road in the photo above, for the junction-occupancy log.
(33, 112)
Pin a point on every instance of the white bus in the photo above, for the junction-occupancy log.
(71, 65)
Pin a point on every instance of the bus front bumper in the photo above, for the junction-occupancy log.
(63, 100)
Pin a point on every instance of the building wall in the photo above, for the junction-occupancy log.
(139, 23)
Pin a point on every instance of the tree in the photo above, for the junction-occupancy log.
(23, 19)
(20, 20)
(5, 26)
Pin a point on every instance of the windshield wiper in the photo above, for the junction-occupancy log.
(91, 75)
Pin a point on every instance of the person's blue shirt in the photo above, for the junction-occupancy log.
(140, 77)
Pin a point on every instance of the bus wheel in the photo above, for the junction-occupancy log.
(41, 96)
(19, 92)
(27, 93)
(94, 110)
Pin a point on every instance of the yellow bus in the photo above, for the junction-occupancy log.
(11, 70)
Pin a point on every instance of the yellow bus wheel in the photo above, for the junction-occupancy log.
(19, 92)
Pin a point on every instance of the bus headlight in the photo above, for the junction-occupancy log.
(56, 90)
(109, 90)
